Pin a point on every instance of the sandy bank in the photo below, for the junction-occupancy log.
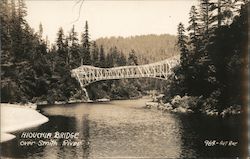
(15, 117)
(6, 137)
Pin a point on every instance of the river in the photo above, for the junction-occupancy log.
(125, 129)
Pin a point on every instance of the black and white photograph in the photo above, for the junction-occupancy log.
(124, 79)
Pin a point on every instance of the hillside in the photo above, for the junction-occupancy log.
(152, 47)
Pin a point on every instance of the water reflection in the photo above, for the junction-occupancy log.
(126, 129)
(197, 129)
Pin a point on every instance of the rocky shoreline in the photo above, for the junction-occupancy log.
(188, 104)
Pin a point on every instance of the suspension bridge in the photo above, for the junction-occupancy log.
(87, 74)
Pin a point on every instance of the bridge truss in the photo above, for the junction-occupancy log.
(87, 74)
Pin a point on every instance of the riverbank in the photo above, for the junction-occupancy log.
(124, 129)
(189, 104)
(17, 117)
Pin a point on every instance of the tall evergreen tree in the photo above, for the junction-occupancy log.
(61, 49)
(183, 71)
(86, 57)
(109, 61)
(95, 54)
(182, 44)
(193, 29)
(5, 33)
(102, 59)
(132, 58)
(227, 52)
(21, 12)
(67, 51)
(227, 10)
(219, 14)
(122, 61)
(114, 55)
(207, 19)
(7, 56)
(40, 31)
(15, 31)
(74, 50)
(20, 25)
(60, 39)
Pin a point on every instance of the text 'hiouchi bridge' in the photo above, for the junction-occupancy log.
(87, 74)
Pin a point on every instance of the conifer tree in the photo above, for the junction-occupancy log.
(226, 11)
(95, 54)
(206, 19)
(7, 56)
(40, 31)
(74, 50)
(115, 55)
(60, 39)
(20, 26)
(109, 61)
(122, 61)
(61, 49)
(86, 58)
(15, 32)
(132, 58)
(21, 12)
(219, 15)
(182, 42)
(5, 33)
(193, 29)
(102, 59)
(67, 52)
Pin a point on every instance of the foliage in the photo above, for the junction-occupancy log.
(187, 102)
(85, 51)
(213, 59)
(148, 48)
(29, 70)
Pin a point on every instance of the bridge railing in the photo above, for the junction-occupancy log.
(86, 74)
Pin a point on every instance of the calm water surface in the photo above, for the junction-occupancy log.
(125, 129)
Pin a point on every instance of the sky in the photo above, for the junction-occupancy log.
(109, 18)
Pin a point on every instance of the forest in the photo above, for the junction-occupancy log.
(32, 70)
(213, 51)
(214, 54)
(148, 48)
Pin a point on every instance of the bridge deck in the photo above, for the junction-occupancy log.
(87, 74)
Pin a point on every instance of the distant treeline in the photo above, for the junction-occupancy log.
(213, 55)
(148, 48)
(31, 71)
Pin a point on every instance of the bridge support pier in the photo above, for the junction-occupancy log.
(86, 93)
